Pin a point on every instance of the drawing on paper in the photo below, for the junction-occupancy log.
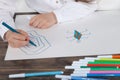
(41, 42)
(78, 36)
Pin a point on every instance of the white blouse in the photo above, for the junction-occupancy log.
(65, 10)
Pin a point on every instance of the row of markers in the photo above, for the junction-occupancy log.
(91, 67)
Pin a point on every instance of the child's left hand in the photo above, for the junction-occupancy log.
(44, 20)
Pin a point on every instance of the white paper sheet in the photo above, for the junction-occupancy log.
(100, 35)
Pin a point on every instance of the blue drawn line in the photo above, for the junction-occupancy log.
(40, 40)
(79, 36)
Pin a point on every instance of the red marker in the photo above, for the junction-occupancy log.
(103, 65)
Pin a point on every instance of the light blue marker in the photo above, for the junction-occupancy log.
(65, 77)
(82, 78)
(22, 75)
(13, 30)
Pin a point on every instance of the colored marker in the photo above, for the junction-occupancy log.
(103, 62)
(99, 61)
(99, 68)
(75, 63)
(96, 75)
(100, 58)
(65, 77)
(103, 65)
(72, 67)
(92, 65)
(96, 64)
(105, 72)
(109, 59)
(88, 59)
(83, 59)
(78, 66)
(110, 56)
(13, 30)
(80, 62)
(97, 71)
(22, 75)
(75, 66)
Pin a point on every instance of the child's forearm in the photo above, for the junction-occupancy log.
(74, 10)
(6, 15)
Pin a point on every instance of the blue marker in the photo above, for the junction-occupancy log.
(97, 75)
(13, 30)
(104, 75)
(82, 78)
(76, 78)
(22, 75)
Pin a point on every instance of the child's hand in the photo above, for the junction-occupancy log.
(17, 40)
(43, 21)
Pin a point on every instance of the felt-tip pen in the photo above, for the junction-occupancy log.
(23, 75)
(67, 77)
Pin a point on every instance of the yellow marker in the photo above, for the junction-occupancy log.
(109, 59)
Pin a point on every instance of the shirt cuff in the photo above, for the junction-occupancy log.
(3, 30)
(58, 16)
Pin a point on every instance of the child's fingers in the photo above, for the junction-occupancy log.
(16, 40)
(36, 23)
(45, 25)
(17, 43)
(43, 21)
(23, 32)
(19, 36)
(41, 24)
(33, 19)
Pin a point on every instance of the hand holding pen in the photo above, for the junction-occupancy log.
(17, 38)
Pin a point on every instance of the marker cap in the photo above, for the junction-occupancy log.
(17, 75)
(63, 76)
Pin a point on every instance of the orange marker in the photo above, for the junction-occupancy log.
(110, 56)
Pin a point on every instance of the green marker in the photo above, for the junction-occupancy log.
(110, 59)
(101, 68)
(105, 61)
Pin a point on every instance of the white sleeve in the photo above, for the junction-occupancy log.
(74, 10)
(6, 14)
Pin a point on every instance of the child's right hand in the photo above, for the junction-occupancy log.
(17, 40)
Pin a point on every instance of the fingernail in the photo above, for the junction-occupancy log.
(26, 39)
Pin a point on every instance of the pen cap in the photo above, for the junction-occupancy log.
(17, 75)
(63, 76)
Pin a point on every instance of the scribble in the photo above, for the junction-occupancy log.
(78, 36)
